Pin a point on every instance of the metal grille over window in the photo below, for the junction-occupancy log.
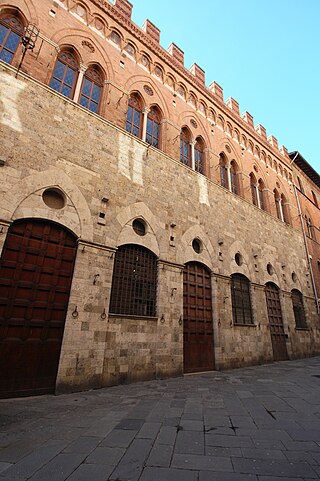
(298, 309)
(134, 282)
(241, 300)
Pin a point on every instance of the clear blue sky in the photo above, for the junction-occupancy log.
(265, 54)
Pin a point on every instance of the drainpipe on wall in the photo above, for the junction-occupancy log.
(307, 250)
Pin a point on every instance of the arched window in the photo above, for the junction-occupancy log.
(199, 157)
(153, 127)
(134, 282)
(185, 147)
(65, 73)
(298, 309)
(314, 198)
(241, 300)
(224, 179)
(11, 30)
(300, 185)
(310, 227)
(134, 116)
(261, 195)
(253, 186)
(91, 89)
(234, 177)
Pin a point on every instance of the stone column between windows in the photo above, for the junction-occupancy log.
(280, 208)
(258, 196)
(144, 123)
(229, 177)
(82, 71)
(193, 162)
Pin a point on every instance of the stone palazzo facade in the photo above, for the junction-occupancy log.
(147, 228)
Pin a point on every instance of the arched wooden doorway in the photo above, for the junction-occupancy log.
(198, 347)
(278, 336)
(36, 270)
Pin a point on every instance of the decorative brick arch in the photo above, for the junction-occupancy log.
(136, 83)
(233, 154)
(25, 8)
(200, 131)
(186, 253)
(246, 268)
(25, 200)
(75, 37)
(154, 228)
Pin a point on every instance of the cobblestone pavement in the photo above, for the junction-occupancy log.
(253, 424)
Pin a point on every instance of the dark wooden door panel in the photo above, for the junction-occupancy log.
(278, 337)
(35, 278)
(198, 325)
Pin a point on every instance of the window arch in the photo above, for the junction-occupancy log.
(145, 60)
(192, 99)
(131, 49)
(65, 73)
(80, 11)
(220, 122)
(182, 91)
(298, 309)
(234, 177)
(254, 190)
(241, 300)
(134, 115)
(224, 178)
(280, 170)
(91, 88)
(310, 227)
(185, 147)
(228, 129)
(134, 282)
(153, 127)
(236, 135)
(11, 31)
(199, 156)
(314, 198)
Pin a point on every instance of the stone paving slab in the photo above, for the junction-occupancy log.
(253, 424)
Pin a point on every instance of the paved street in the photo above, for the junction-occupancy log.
(253, 424)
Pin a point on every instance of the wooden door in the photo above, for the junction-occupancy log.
(278, 336)
(36, 270)
(198, 350)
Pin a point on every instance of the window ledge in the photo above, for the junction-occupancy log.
(302, 329)
(236, 324)
(133, 316)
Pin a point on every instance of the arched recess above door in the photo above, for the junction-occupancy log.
(25, 200)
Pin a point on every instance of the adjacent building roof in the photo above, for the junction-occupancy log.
(301, 162)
